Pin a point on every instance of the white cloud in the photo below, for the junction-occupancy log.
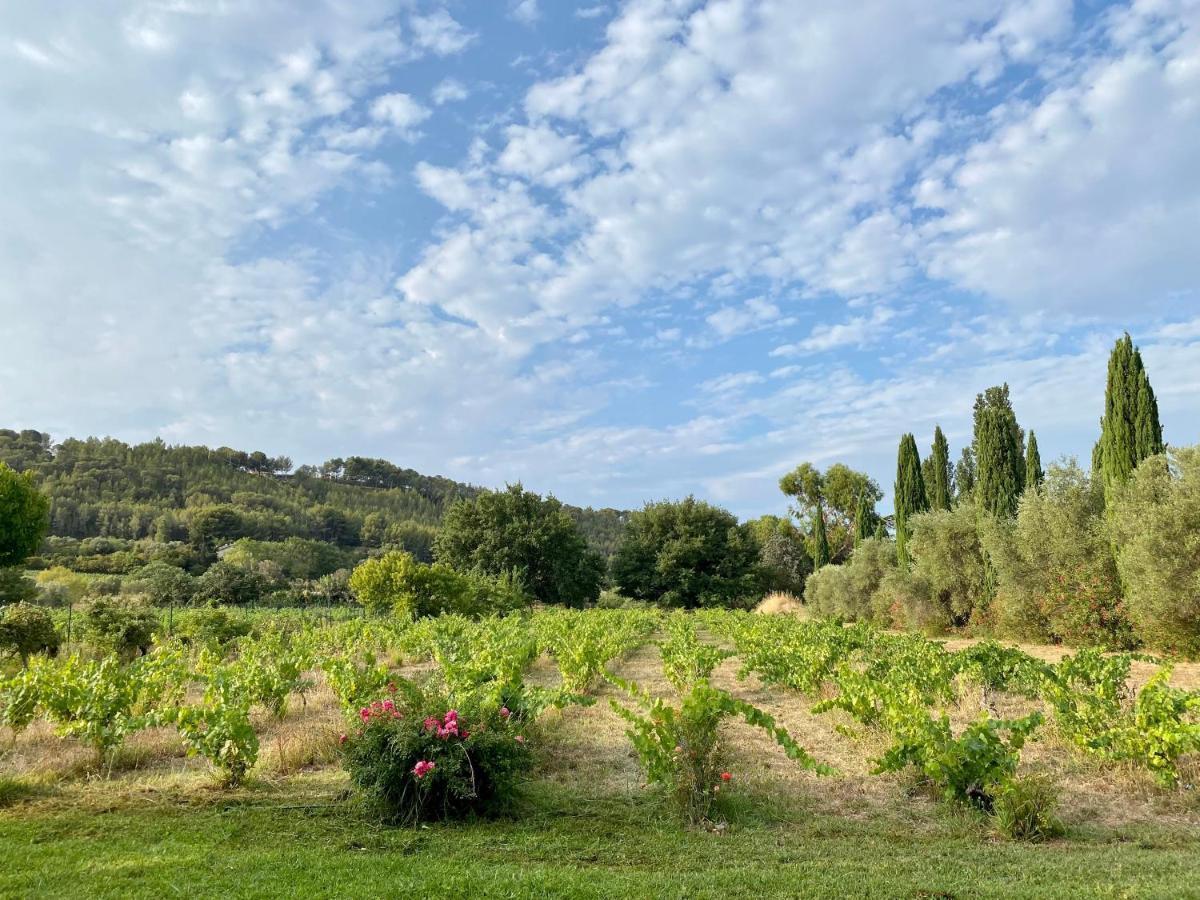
(449, 90)
(755, 313)
(439, 33)
(525, 11)
(541, 154)
(400, 111)
(855, 332)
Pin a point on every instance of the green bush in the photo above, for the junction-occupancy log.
(24, 516)
(948, 558)
(420, 760)
(687, 554)
(1056, 576)
(227, 583)
(397, 582)
(1156, 522)
(16, 588)
(164, 585)
(25, 630)
(210, 627)
(126, 629)
(848, 592)
(1023, 808)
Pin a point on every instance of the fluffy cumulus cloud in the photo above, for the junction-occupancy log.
(723, 237)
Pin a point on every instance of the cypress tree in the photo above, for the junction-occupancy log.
(881, 532)
(820, 539)
(940, 481)
(863, 517)
(909, 493)
(964, 476)
(999, 460)
(1130, 430)
(1033, 463)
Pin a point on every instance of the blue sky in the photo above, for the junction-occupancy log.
(617, 250)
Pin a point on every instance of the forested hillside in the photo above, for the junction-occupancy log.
(154, 492)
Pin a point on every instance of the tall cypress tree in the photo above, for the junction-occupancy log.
(881, 532)
(820, 540)
(909, 493)
(1033, 463)
(939, 483)
(863, 520)
(964, 476)
(999, 456)
(1130, 430)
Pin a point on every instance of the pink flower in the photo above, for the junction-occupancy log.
(504, 712)
(389, 706)
(423, 768)
(451, 716)
(364, 714)
(431, 723)
(465, 735)
(725, 776)
(342, 739)
(520, 739)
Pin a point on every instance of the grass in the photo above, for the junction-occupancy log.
(310, 842)
(158, 825)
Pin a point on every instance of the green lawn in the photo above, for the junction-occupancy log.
(306, 841)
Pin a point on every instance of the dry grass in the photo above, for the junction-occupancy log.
(782, 603)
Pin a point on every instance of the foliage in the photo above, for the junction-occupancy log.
(1033, 463)
(25, 630)
(837, 493)
(16, 588)
(937, 472)
(1156, 522)
(211, 627)
(225, 582)
(271, 668)
(948, 559)
(1129, 430)
(1023, 809)
(24, 516)
(582, 643)
(998, 452)
(94, 701)
(163, 584)
(1057, 580)
(687, 554)
(357, 684)
(517, 531)
(846, 592)
(910, 497)
(397, 582)
(218, 728)
(783, 557)
(116, 626)
(423, 761)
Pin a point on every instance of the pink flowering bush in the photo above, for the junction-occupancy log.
(426, 761)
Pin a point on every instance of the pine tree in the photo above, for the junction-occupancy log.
(909, 493)
(1130, 430)
(820, 540)
(863, 518)
(940, 481)
(1033, 463)
(999, 458)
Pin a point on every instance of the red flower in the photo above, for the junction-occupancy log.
(725, 776)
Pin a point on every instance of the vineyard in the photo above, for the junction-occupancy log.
(715, 725)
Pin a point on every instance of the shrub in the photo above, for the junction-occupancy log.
(25, 630)
(164, 585)
(1024, 808)
(396, 582)
(219, 727)
(1056, 577)
(60, 586)
(422, 761)
(1156, 522)
(847, 592)
(906, 599)
(125, 629)
(948, 557)
(211, 627)
(227, 583)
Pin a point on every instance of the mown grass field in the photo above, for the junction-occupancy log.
(158, 824)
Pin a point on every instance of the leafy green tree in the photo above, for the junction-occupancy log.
(212, 527)
(24, 516)
(687, 554)
(836, 492)
(910, 497)
(1000, 463)
(16, 588)
(1033, 463)
(164, 585)
(518, 531)
(226, 583)
(1130, 430)
(783, 553)
(939, 482)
